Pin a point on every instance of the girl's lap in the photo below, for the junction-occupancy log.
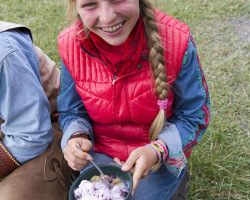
(159, 185)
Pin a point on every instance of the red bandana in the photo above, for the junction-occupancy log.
(121, 59)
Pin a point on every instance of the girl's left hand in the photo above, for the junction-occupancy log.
(139, 164)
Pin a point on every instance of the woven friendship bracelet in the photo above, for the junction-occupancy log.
(162, 148)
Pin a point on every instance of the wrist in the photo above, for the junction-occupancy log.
(163, 149)
(80, 135)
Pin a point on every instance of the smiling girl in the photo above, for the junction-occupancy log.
(132, 91)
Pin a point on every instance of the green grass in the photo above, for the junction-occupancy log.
(219, 165)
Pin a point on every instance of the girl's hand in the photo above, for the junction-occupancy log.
(139, 164)
(76, 158)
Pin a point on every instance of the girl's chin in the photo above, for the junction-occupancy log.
(115, 42)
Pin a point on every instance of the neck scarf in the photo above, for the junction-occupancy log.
(123, 58)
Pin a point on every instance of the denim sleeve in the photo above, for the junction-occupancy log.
(73, 115)
(191, 111)
(24, 106)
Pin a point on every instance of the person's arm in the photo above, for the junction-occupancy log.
(24, 106)
(73, 116)
(191, 111)
(50, 77)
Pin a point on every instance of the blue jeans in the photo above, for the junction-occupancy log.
(159, 185)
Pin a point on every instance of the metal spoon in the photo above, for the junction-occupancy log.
(102, 175)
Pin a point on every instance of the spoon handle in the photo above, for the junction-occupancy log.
(104, 180)
(92, 162)
(97, 168)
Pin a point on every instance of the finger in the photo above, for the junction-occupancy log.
(75, 159)
(136, 179)
(80, 164)
(117, 161)
(84, 144)
(139, 172)
(132, 171)
(76, 155)
(78, 151)
(130, 162)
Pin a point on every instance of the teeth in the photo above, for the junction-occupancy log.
(113, 29)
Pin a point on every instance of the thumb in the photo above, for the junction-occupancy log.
(85, 144)
(129, 163)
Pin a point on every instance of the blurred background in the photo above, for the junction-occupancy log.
(219, 165)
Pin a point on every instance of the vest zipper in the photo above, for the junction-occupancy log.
(115, 76)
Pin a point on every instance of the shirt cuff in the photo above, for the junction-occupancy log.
(176, 160)
(79, 125)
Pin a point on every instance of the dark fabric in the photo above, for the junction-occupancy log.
(182, 192)
(8, 162)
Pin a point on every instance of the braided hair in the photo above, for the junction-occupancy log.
(157, 61)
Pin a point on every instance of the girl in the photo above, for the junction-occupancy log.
(132, 90)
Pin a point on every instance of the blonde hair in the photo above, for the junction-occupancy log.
(157, 61)
(156, 58)
(70, 10)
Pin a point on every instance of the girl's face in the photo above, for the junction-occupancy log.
(112, 20)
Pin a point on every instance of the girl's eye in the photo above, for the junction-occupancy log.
(116, 1)
(88, 5)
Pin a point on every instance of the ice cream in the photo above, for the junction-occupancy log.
(95, 189)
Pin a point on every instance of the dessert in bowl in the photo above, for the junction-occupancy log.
(89, 185)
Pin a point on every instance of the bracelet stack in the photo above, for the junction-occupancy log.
(161, 151)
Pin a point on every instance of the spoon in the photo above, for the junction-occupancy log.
(102, 175)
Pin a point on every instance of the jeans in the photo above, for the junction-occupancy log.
(159, 185)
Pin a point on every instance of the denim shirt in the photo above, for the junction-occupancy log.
(24, 106)
(183, 130)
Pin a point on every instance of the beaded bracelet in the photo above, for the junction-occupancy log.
(162, 148)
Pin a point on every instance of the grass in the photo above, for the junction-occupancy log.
(219, 165)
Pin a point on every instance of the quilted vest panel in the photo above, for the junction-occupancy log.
(122, 108)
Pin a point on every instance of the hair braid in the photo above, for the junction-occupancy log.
(157, 62)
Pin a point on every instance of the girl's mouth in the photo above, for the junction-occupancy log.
(114, 28)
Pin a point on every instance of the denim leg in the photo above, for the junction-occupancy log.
(159, 185)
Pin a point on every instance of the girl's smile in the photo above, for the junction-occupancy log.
(114, 28)
(112, 20)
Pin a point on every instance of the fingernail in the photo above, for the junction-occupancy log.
(88, 158)
(125, 167)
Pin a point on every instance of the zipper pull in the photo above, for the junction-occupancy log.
(114, 79)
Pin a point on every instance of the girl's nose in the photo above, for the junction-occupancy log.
(107, 13)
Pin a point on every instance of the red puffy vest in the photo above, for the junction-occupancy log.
(122, 111)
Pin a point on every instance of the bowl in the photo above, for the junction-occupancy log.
(108, 169)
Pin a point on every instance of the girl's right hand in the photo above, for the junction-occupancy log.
(77, 159)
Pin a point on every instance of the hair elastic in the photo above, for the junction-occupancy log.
(157, 151)
(163, 104)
